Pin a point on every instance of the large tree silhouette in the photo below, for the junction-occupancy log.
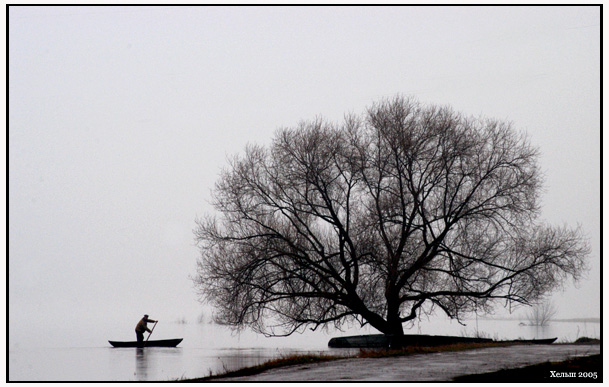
(404, 210)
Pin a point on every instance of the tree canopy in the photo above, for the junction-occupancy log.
(406, 209)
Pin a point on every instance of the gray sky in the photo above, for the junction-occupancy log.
(121, 118)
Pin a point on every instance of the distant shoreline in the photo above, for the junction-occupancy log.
(588, 319)
(582, 319)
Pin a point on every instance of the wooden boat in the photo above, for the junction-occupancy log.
(533, 341)
(149, 343)
(388, 341)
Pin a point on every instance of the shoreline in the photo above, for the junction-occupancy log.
(286, 363)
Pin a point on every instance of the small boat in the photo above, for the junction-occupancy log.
(149, 343)
(533, 341)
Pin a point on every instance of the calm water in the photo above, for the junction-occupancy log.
(213, 349)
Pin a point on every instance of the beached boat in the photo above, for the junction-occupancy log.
(149, 343)
(388, 341)
(533, 341)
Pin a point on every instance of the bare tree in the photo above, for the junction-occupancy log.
(541, 313)
(403, 210)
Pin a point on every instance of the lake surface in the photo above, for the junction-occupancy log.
(211, 349)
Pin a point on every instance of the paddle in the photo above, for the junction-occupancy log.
(152, 330)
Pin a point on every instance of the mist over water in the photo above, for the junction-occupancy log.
(82, 353)
(121, 118)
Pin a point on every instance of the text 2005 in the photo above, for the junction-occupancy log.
(588, 375)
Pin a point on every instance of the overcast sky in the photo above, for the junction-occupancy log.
(120, 119)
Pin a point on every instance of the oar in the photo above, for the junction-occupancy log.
(152, 330)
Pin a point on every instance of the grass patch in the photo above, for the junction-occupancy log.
(587, 340)
(576, 370)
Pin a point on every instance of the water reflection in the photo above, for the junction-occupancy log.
(157, 363)
(211, 349)
(542, 331)
(141, 364)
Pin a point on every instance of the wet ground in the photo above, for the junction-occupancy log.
(427, 367)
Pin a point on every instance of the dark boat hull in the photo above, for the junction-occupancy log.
(149, 343)
(533, 341)
(388, 341)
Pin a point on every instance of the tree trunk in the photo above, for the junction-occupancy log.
(395, 328)
(394, 325)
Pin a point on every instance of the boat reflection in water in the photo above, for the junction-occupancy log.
(152, 363)
(141, 364)
(79, 353)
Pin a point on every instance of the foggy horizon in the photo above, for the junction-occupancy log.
(121, 119)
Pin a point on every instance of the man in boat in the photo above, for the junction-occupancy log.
(141, 327)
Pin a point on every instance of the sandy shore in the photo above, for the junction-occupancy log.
(427, 367)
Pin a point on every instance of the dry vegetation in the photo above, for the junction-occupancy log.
(363, 353)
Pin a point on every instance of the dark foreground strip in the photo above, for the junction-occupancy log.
(576, 370)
